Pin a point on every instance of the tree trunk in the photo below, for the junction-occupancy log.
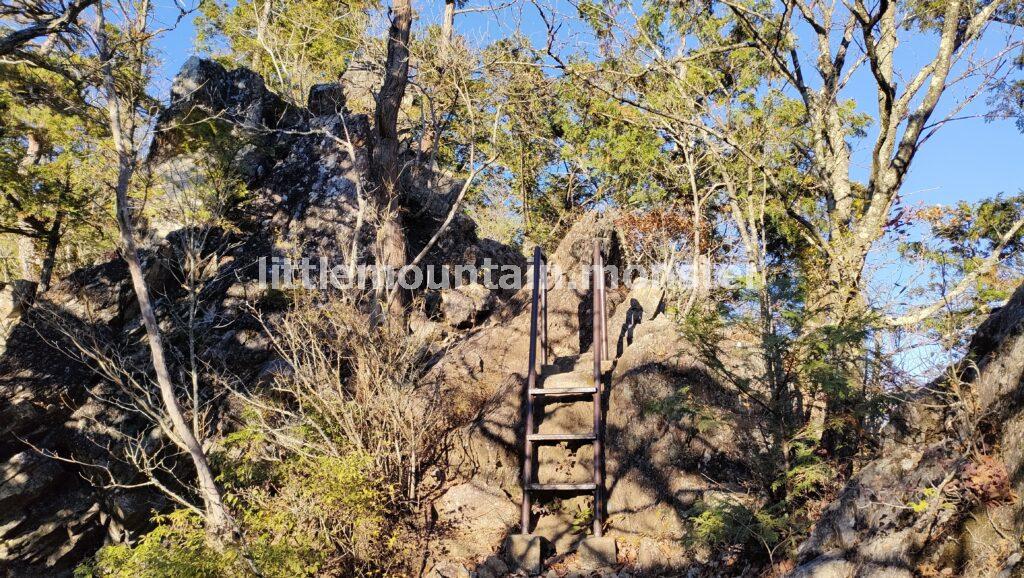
(215, 511)
(386, 164)
(448, 24)
(836, 318)
(217, 519)
(53, 240)
(50, 255)
(390, 248)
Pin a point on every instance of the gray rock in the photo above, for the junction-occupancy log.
(595, 553)
(449, 570)
(24, 477)
(466, 304)
(326, 99)
(16, 297)
(493, 567)
(642, 305)
(476, 517)
(523, 552)
(649, 557)
(826, 568)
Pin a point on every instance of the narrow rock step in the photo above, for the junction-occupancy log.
(563, 390)
(586, 366)
(565, 380)
(561, 437)
(588, 487)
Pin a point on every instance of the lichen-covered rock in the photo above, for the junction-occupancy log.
(326, 99)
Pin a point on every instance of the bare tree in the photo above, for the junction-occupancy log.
(128, 150)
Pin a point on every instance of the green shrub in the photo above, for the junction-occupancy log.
(326, 511)
(176, 548)
(808, 473)
(731, 523)
(322, 515)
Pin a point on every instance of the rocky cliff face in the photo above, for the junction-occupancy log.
(663, 458)
(62, 422)
(943, 497)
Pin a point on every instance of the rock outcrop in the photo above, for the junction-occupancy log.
(50, 517)
(663, 456)
(942, 498)
(62, 420)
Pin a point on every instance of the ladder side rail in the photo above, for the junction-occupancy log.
(544, 346)
(597, 280)
(531, 382)
(604, 308)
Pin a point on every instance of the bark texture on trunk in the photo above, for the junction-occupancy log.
(386, 164)
(448, 24)
(390, 247)
(50, 254)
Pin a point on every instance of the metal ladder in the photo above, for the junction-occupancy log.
(550, 387)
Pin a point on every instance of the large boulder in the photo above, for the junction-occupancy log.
(302, 180)
(471, 518)
(940, 499)
(663, 456)
(465, 305)
(305, 170)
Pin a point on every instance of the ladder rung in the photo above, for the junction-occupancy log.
(562, 390)
(568, 379)
(589, 487)
(561, 437)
